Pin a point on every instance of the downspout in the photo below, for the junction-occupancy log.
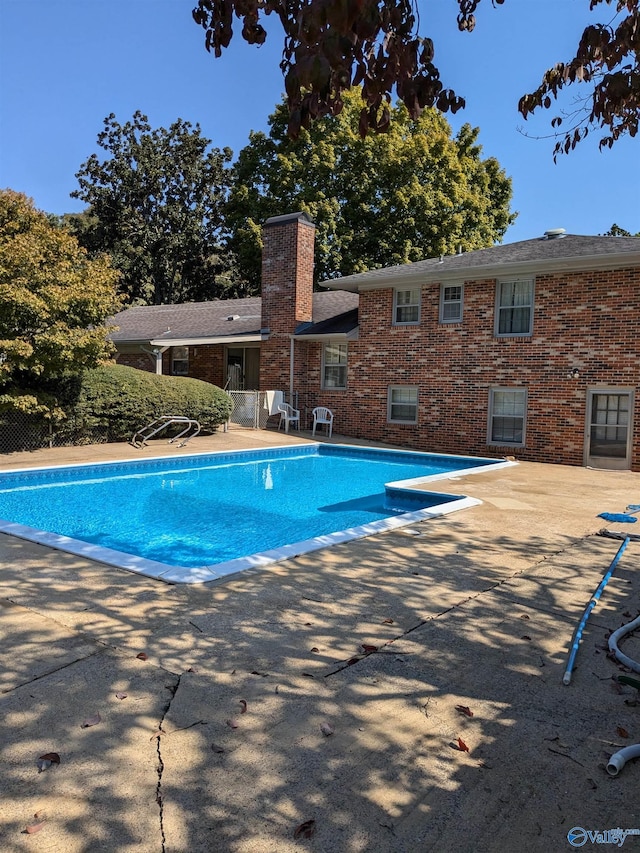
(291, 352)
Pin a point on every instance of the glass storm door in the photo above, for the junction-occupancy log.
(609, 416)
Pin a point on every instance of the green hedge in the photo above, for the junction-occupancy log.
(113, 402)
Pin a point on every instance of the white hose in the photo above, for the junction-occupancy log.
(620, 758)
(613, 644)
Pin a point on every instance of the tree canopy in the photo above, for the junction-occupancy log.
(54, 300)
(391, 198)
(331, 46)
(155, 204)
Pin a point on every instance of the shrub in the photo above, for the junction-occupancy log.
(114, 401)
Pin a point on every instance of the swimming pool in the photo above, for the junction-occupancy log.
(198, 518)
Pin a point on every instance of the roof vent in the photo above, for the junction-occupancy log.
(555, 234)
(233, 317)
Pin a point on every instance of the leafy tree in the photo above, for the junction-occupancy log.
(53, 302)
(391, 198)
(155, 204)
(607, 59)
(617, 231)
(330, 46)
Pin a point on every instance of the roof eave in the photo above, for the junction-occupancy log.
(356, 284)
(330, 336)
(251, 337)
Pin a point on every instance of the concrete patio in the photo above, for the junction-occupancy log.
(316, 704)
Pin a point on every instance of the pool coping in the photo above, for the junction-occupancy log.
(172, 574)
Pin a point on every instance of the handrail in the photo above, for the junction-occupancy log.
(140, 438)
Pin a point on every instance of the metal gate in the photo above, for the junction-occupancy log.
(249, 409)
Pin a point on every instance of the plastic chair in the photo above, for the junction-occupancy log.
(322, 415)
(288, 415)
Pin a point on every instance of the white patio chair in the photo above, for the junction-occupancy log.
(322, 415)
(288, 415)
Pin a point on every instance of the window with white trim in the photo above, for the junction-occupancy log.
(507, 415)
(402, 404)
(514, 308)
(451, 303)
(334, 366)
(406, 307)
(179, 361)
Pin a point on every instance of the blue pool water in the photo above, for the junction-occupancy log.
(205, 510)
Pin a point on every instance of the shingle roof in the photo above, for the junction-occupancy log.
(206, 320)
(545, 254)
(188, 320)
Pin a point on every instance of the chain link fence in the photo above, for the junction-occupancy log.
(24, 431)
(251, 408)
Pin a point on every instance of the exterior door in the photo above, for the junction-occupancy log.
(609, 428)
(243, 368)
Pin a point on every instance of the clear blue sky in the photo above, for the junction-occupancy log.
(66, 64)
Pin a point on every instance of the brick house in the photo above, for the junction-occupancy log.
(530, 349)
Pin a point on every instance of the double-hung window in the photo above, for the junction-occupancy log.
(402, 404)
(334, 366)
(514, 308)
(180, 361)
(451, 303)
(406, 307)
(507, 413)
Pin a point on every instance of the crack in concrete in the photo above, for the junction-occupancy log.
(357, 658)
(50, 672)
(160, 768)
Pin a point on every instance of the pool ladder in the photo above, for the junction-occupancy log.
(191, 429)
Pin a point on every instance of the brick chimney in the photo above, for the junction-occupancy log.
(287, 291)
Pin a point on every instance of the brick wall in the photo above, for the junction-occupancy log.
(206, 362)
(586, 320)
(139, 360)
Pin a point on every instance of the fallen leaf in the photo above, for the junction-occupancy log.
(45, 761)
(243, 706)
(142, 656)
(91, 721)
(233, 724)
(157, 733)
(305, 830)
(369, 648)
(326, 729)
(622, 732)
(387, 621)
(216, 748)
(34, 827)
(462, 745)
(121, 695)
(464, 709)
